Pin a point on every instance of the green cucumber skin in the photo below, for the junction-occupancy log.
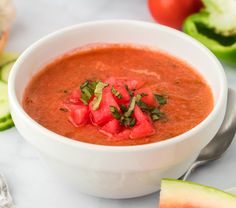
(5, 116)
(5, 70)
(6, 125)
(7, 58)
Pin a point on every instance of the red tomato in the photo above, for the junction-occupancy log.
(173, 12)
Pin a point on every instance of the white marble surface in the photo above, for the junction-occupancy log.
(31, 182)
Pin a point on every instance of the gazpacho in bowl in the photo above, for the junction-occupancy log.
(118, 94)
(127, 104)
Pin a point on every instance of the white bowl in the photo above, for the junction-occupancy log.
(110, 171)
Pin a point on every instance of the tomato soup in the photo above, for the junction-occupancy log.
(117, 95)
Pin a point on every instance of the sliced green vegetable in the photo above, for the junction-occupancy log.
(87, 89)
(98, 94)
(156, 114)
(221, 16)
(144, 107)
(123, 108)
(161, 99)
(131, 92)
(115, 92)
(215, 27)
(6, 62)
(5, 71)
(8, 123)
(127, 121)
(63, 109)
(5, 117)
(115, 112)
(4, 108)
(6, 58)
(130, 110)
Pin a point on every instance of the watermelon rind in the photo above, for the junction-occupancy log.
(185, 194)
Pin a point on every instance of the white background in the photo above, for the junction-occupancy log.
(31, 182)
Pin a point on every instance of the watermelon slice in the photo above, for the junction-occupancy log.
(183, 194)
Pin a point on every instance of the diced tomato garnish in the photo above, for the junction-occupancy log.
(111, 128)
(143, 127)
(80, 115)
(103, 114)
(149, 99)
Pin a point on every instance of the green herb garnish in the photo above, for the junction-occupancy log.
(98, 94)
(139, 96)
(156, 114)
(63, 109)
(144, 107)
(127, 121)
(130, 110)
(161, 99)
(116, 92)
(87, 89)
(123, 108)
(131, 92)
(85, 84)
(115, 112)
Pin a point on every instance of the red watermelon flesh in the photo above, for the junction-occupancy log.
(106, 121)
(149, 98)
(103, 114)
(143, 127)
(184, 194)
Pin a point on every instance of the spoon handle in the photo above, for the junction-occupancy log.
(5, 197)
(191, 169)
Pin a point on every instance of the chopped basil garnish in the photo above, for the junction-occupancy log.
(116, 93)
(63, 109)
(98, 94)
(115, 112)
(161, 99)
(139, 96)
(144, 107)
(123, 108)
(132, 122)
(130, 110)
(154, 113)
(85, 84)
(87, 89)
(85, 99)
(128, 121)
(131, 92)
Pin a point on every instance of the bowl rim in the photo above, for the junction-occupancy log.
(97, 147)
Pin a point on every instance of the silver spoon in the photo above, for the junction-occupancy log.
(5, 197)
(220, 143)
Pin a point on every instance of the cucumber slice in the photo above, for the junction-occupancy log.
(4, 107)
(5, 116)
(8, 123)
(4, 73)
(6, 58)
